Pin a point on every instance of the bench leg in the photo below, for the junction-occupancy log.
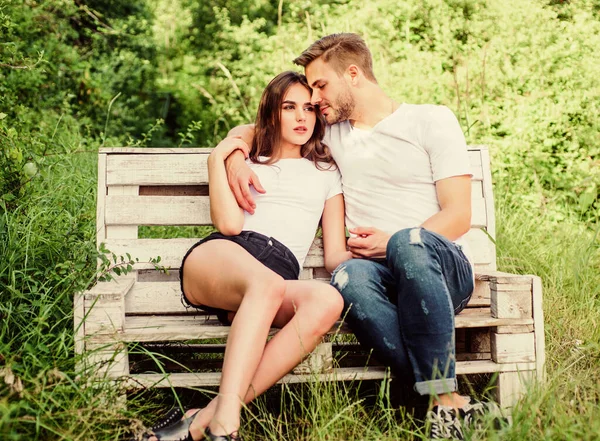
(319, 361)
(108, 363)
(511, 386)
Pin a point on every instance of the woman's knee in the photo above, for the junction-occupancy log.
(268, 286)
(323, 308)
(331, 303)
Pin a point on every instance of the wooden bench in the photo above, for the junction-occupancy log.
(500, 332)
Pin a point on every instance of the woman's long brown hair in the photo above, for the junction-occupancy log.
(267, 128)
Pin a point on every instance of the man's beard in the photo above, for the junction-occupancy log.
(344, 107)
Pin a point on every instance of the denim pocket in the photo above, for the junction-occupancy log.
(266, 252)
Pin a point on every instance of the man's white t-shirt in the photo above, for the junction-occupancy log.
(389, 172)
(290, 210)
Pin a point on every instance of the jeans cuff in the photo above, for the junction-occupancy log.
(436, 387)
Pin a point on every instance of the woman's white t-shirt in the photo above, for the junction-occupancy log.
(290, 210)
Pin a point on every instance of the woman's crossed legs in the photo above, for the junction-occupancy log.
(221, 274)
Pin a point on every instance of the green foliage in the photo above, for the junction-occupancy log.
(76, 74)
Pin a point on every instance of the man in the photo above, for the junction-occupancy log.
(407, 188)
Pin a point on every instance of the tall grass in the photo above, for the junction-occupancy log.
(47, 246)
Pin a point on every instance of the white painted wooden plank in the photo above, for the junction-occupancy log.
(164, 169)
(195, 210)
(488, 192)
(500, 277)
(155, 150)
(306, 274)
(478, 213)
(117, 287)
(476, 189)
(120, 230)
(214, 378)
(511, 348)
(187, 327)
(474, 155)
(482, 248)
(170, 251)
(481, 317)
(154, 298)
(488, 366)
(473, 151)
(110, 361)
(319, 361)
(523, 329)
(511, 386)
(538, 320)
(157, 210)
(511, 304)
(78, 323)
(481, 294)
(339, 374)
(101, 201)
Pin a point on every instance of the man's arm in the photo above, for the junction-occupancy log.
(454, 197)
(452, 221)
(239, 175)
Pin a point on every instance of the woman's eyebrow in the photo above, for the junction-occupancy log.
(308, 103)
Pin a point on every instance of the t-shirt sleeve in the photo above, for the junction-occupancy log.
(445, 142)
(335, 187)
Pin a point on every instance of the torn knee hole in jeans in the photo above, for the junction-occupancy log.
(340, 278)
(415, 237)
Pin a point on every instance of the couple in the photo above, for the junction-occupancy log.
(404, 272)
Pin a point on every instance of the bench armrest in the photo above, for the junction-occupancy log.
(103, 306)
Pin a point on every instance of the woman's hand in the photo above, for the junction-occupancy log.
(228, 146)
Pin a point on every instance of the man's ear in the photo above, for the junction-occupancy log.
(353, 72)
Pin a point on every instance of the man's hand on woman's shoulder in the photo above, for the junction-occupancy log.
(239, 175)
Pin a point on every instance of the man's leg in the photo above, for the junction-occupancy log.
(369, 312)
(434, 281)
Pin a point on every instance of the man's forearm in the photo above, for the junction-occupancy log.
(235, 158)
(451, 224)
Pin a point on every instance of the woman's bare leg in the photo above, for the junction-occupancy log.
(221, 274)
(308, 311)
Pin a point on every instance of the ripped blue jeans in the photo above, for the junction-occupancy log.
(403, 306)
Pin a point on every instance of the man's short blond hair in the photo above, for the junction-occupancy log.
(340, 51)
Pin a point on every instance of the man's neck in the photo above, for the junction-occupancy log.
(372, 106)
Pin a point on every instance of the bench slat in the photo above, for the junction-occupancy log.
(339, 374)
(171, 251)
(174, 168)
(191, 327)
(165, 297)
(195, 210)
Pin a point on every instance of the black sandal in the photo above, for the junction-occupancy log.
(170, 418)
(180, 431)
(234, 436)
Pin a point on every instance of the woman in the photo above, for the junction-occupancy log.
(248, 271)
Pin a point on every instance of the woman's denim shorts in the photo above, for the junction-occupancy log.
(267, 250)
